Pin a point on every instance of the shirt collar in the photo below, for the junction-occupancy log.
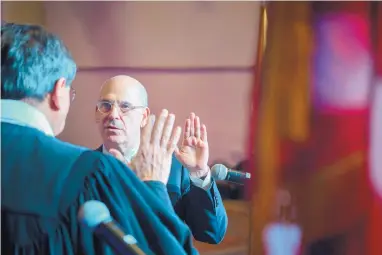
(20, 113)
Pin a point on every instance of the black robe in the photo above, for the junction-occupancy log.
(44, 181)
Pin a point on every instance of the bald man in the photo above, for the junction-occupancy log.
(122, 111)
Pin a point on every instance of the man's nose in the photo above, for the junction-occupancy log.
(114, 112)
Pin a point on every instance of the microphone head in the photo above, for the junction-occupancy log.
(92, 213)
(219, 172)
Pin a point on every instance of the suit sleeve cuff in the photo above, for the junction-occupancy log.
(204, 184)
(160, 191)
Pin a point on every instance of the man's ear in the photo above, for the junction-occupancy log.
(146, 114)
(58, 94)
(97, 116)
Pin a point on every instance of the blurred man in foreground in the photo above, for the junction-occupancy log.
(121, 112)
(44, 181)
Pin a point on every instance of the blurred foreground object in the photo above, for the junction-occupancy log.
(313, 125)
(283, 236)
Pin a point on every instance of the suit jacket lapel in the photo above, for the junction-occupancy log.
(99, 148)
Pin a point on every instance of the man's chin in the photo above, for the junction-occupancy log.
(114, 138)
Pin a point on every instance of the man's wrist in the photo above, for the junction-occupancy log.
(204, 182)
(201, 173)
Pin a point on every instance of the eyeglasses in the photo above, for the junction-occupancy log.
(107, 106)
(72, 94)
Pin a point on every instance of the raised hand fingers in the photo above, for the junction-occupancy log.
(203, 135)
(172, 145)
(161, 131)
(197, 127)
(167, 129)
(146, 131)
(187, 129)
(157, 131)
(192, 124)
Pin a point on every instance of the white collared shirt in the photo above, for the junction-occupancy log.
(20, 113)
(204, 184)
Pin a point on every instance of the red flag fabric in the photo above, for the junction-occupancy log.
(375, 166)
(314, 122)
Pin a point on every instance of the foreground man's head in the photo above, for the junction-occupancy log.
(37, 68)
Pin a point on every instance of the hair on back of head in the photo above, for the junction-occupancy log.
(32, 61)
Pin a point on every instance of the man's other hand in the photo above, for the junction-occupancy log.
(194, 152)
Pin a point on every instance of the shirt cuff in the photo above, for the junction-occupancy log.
(204, 184)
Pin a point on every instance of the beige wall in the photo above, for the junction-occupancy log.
(191, 56)
(23, 12)
(157, 34)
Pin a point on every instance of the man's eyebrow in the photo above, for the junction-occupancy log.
(118, 101)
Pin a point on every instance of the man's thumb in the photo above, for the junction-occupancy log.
(177, 152)
(117, 154)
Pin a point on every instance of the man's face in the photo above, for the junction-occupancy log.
(118, 121)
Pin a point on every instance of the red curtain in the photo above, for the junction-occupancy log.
(375, 222)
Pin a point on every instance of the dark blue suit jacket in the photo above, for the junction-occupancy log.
(202, 210)
(44, 181)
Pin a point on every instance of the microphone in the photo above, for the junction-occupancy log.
(96, 216)
(222, 173)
